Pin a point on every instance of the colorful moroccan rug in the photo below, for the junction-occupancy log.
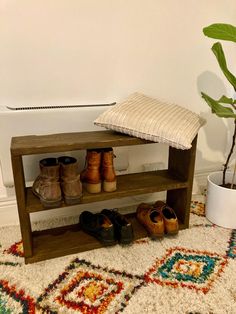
(193, 272)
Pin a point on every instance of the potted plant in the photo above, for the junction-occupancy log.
(221, 189)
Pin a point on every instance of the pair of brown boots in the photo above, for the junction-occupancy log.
(99, 173)
(59, 178)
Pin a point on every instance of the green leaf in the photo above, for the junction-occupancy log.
(220, 56)
(218, 109)
(221, 31)
(226, 100)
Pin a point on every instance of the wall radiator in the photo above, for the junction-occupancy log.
(40, 120)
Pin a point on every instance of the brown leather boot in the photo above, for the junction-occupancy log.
(70, 180)
(108, 171)
(90, 176)
(47, 186)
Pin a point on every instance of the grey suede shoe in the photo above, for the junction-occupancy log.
(71, 186)
(47, 185)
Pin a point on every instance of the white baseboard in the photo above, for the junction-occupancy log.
(9, 213)
(200, 179)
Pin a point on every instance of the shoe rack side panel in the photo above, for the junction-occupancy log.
(181, 165)
(24, 217)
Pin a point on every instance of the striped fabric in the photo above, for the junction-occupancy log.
(150, 119)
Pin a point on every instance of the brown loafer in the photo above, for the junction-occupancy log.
(169, 217)
(152, 220)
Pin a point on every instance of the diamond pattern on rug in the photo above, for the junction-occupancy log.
(197, 208)
(232, 245)
(10, 299)
(8, 263)
(87, 288)
(4, 309)
(16, 249)
(193, 269)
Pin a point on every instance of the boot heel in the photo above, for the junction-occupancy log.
(72, 201)
(50, 204)
(109, 186)
(93, 187)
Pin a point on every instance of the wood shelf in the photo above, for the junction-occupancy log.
(130, 184)
(64, 142)
(177, 180)
(71, 239)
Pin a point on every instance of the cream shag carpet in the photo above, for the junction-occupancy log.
(193, 272)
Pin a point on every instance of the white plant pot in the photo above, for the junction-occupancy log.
(221, 202)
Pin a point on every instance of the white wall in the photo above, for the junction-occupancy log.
(82, 51)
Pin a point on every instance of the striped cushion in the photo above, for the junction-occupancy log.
(150, 119)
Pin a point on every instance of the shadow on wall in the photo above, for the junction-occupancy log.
(209, 83)
(217, 131)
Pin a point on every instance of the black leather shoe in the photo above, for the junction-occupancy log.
(99, 226)
(123, 228)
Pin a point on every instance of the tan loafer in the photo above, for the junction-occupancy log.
(169, 217)
(152, 220)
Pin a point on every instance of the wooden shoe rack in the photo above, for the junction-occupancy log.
(177, 180)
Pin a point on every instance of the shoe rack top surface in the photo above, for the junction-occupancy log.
(35, 144)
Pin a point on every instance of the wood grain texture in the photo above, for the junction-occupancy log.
(39, 144)
(181, 165)
(71, 239)
(127, 185)
(24, 217)
(177, 180)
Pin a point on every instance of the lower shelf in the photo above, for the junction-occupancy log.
(66, 240)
